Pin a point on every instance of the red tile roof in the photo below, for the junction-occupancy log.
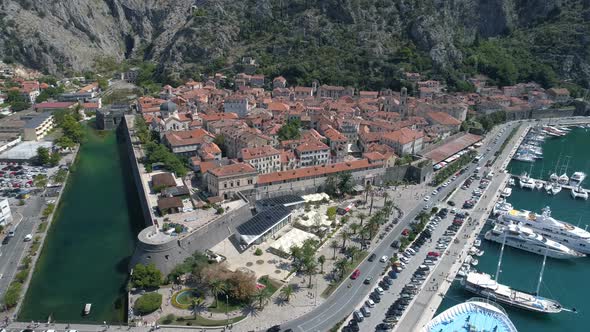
(188, 137)
(450, 148)
(316, 171)
(259, 152)
(443, 118)
(233, 169)
(403, 136)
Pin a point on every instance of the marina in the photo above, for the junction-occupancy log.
(568, 208)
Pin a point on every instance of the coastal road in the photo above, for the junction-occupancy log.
(13, 251)
(344, 300)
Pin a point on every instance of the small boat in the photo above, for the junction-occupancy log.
(477, 242)
(506, 192)
(87, 308)
(511, 182)
(579, 192)
(555, 189)
(538, 185)
(480, 253)
(563, 179)
(474, 262)
(547, 187)
(553, 177)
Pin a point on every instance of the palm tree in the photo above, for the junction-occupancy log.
(361, 216)
(368, 188)
(373, 226)
(311, 267)
(385, 195)
(345, 236)
(195, 307)
(341, 265)
(365, 232)
(354, 227)
(353, 251)
(322, 260)
(287, 291)
(261, 296)
(372, 199)
(217, 287)
(334, 246)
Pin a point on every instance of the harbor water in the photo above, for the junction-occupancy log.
(87, 250)
(563, 280)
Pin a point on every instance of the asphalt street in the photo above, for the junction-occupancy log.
(345, 299)
(13, 251)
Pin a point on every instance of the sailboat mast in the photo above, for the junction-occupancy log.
(500, 259)
(542, 270)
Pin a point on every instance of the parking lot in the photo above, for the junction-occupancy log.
(18, 179)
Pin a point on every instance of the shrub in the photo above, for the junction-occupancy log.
(169, 318)
(22, 276)
(258, 252)
(12, 294)
(148, 303)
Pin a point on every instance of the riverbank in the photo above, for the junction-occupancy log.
(92, 239)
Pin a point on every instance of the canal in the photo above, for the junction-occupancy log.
(93, 236)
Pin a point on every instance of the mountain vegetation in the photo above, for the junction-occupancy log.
(368, 44)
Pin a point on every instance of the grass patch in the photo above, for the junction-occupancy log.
(349, 268)
(271, 284)
(42, 227)
(199, 321)
(223, 306)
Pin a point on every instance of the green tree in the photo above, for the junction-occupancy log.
(334, 245)
(40, 181)
(60, 175)
(322, 261)
(65, 142)
(148, 303)
(287, 291)
(341, 266)
(361, 216)
(146, 276)
(217, 287)
(345, 183)
(54, 159)
(290, 130)
(331, 185)
(353, 252)
(43, 155)
(344, 235)
(354, 227)
(261, 296)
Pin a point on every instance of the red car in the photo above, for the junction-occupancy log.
(406, 232)
(355, 274)
(433, 254)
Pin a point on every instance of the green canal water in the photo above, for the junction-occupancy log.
(563, 280)
(89, 245)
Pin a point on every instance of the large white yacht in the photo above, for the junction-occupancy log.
(560, 231)
(483, 285)
(476, 314)
(524, 238)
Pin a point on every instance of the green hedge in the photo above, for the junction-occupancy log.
(148, 303)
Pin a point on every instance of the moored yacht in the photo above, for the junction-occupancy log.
(483, 285)
(563, 179)
(506, 192)
(524, 238)
(551, 228)
(502, 207)
(577, 177)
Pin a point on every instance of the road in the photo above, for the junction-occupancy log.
(344, 300)
(14, 250)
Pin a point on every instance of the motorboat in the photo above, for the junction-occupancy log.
(579, 192)
(553, 177)
(547, 187)
(511, 182)
(477, 242)
(577, 177)
(524, 238)
(551, 228)
(538, 185)
(506, 192)
(526, 182)
(526, 157)
(474, 262)
(87, 308)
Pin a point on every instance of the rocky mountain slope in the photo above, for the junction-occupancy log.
(333, 40)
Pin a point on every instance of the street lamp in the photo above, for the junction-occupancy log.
(226, 306)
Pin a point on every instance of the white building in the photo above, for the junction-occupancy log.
(5, 214)
(265, 159)
(313, 153)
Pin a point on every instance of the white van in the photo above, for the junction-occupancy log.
(411, 251)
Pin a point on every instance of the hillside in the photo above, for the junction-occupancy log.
(360, 42)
